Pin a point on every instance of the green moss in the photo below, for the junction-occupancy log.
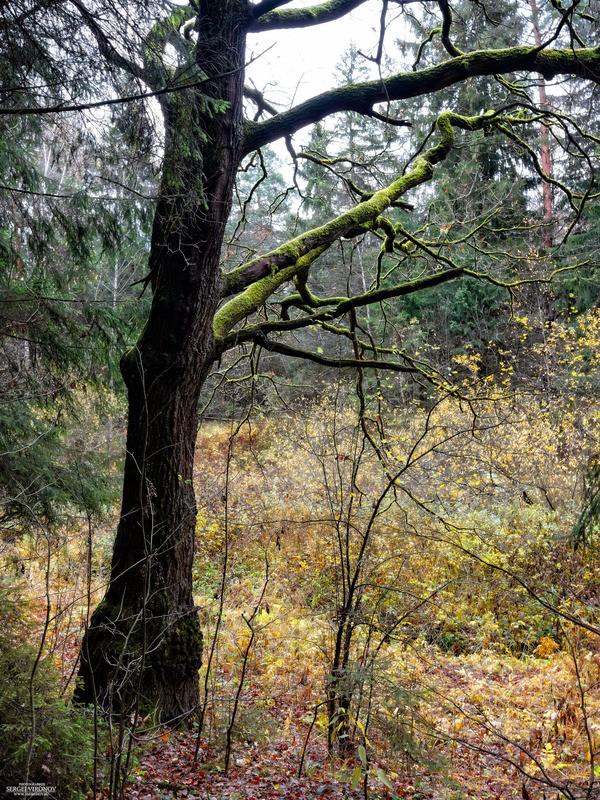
(297, 255)
(251, 299)
(181, 649)
(151, 650)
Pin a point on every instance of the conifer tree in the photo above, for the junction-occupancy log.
(66, 222)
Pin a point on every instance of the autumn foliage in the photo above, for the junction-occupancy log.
(393, 599)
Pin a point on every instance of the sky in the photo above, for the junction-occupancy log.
(301, 62)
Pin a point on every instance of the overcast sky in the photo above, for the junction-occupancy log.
(298, 64)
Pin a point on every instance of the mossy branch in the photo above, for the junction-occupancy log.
(257, 294)
(268, 18)
(446, 27)
(258, 280)
(430, 37)
(361, 97)
(333, 308)
(326, 361)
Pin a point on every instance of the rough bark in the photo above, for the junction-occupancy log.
(144, 642)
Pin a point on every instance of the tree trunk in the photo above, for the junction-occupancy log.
(144, 645)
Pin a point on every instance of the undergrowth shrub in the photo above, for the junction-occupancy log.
(443, 580)
(43, 738)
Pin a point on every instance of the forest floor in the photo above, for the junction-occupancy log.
(168, 769)
(288, 757)
(474, 661)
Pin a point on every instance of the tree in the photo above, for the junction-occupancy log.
(64, 223)
(143, 647)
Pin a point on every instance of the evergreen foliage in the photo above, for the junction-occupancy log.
(71, 245)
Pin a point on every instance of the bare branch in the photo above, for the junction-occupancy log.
(338, 363)
(262, 105)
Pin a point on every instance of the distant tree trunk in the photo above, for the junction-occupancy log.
(144, 641)
(545, 159)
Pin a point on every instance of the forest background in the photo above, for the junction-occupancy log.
(375, 572)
